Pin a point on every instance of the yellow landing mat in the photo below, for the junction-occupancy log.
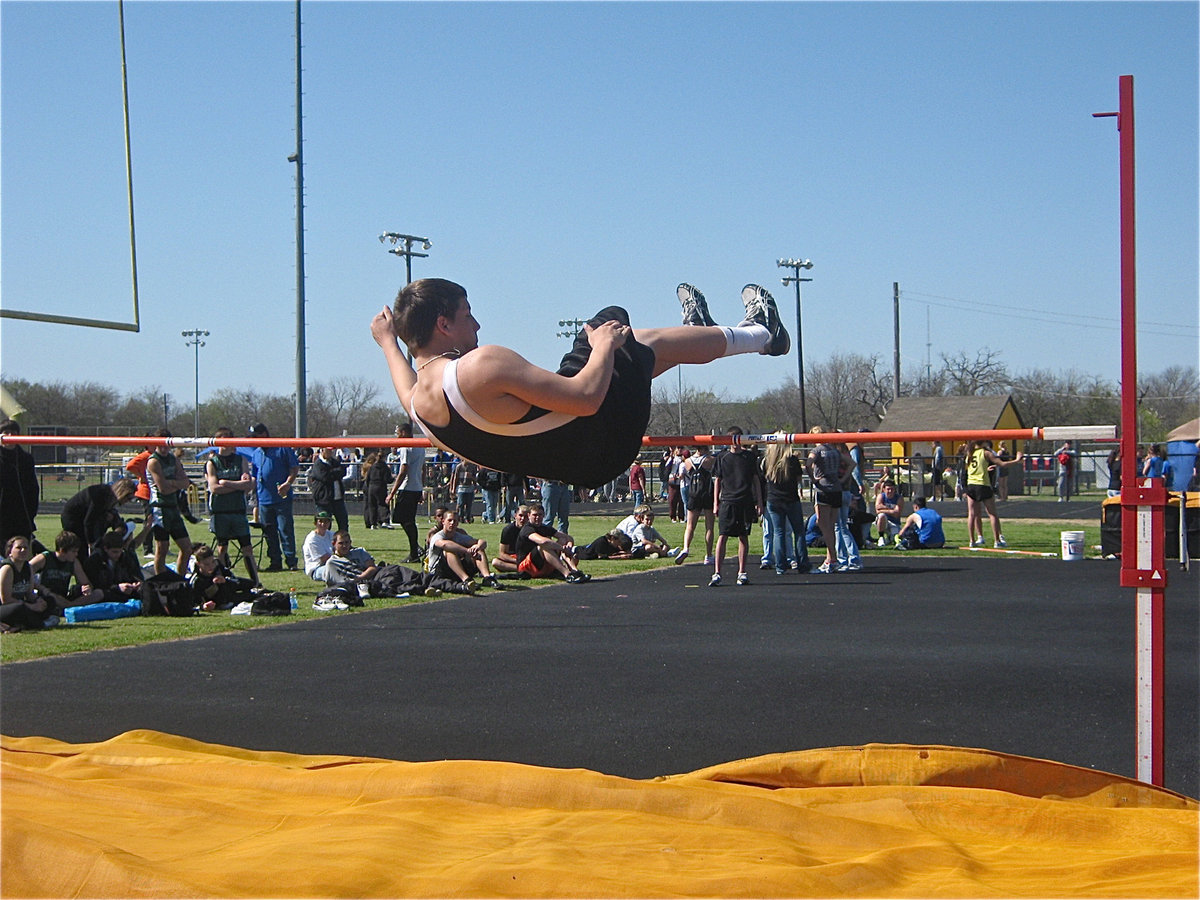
(153, 815)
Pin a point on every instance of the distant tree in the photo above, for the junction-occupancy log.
(1047, 397)
(703, 410)
(846, 392)
(84, 404)
(963, 376)
(1173, 395)
(142, 410)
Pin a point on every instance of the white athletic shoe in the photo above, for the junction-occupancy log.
(681, 556)
(761, 310)
(715, 581)
(1000, 544)
(695, 309)
(326, 604)
(978, 542)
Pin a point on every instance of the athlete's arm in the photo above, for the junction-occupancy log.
(403, 376)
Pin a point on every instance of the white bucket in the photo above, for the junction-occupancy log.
(1072, 545)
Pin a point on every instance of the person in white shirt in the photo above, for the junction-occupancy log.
(639, 528)
(318, 546)
(407, 490)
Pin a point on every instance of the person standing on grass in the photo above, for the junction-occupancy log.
(980, 497)
(406, 492)
(229, 482)
(167, 478)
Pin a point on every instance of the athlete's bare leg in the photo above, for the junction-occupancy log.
(682, 344)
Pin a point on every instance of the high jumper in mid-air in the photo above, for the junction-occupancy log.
(582, 424)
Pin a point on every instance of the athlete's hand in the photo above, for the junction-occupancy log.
(611, 334)
(382, 327)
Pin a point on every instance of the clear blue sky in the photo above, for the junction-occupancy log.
(562, 157)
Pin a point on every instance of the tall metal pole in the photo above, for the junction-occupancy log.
(896, 330)
(196, 334)
(796, 265)
(1143, 500)
(298, 159)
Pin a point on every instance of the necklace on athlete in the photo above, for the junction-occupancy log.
(449, 354)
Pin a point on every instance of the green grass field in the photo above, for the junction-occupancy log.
(1038, 536)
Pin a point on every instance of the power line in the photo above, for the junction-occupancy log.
(1048, 315)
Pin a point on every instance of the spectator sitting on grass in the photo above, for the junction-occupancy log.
(318, 546)
(544, 551)
(887, 512)
(213, 581)
(456, 555)
(647, 543)
(922, 530)
(348, 564)
(55, 569)
(506, 559)
(113, 568)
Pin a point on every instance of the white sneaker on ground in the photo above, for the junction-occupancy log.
(325, 604)
(681, 556)
(1000, 544)
(743, 578)
(978, 542)
(715, 580)
(709, 560)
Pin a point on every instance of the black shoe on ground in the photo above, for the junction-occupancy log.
(274, 567)
(491, 582)
(695, 309)
(761, 310)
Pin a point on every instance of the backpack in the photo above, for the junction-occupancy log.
(168, 594)
(699, 483)
(271, 603)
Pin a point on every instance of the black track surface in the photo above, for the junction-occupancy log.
(657, 673)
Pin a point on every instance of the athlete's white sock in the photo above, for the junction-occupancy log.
(748, 337)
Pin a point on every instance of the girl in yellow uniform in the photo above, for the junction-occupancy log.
(980, 460)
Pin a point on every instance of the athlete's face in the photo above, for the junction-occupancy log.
(464, 330)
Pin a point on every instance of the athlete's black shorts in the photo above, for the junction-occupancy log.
(735, 519)
(979, 492)
(830, 498)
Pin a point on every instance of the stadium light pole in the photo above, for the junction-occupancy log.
(196, 335)
(407, 240)
(796, 265)
(402, 245)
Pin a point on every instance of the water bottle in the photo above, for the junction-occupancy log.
(292, 598)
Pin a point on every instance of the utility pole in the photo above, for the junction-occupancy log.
(896, 328)
(298, 159)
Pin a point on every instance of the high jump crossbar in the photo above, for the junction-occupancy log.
(1068, 432)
